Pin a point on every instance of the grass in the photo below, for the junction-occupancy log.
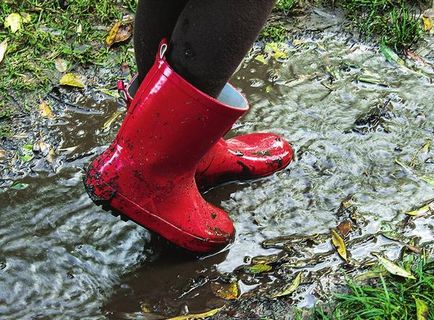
(389, 297)
(394, 23)
(28, 70)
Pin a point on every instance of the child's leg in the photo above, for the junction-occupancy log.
(155, 19)
(211, 38)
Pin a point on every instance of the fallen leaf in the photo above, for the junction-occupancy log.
(79, 29)
(61, 64)
(339, 244)
(3, 48)
(422, 310)
(428, 18)
(19, 186)
(51, 155)
(426, 208)
(390, 55)
(2, 153)
(124, 33)
(291, 288)
(428, 180)
(259, 268)
(393, 268)
(25, 17)
(227, 291)
(145, 308)
(13, 21)
(72, 80)
(110, 120)
(261, 58)
(110, 39)
(197, 316)
(45, 110)
(111, 93)
(345, 227)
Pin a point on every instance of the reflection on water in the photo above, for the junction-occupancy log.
(349, 115)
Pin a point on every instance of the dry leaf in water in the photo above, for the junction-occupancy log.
(3, 48)
(227, 291)
(339, 244)
(14, 22)
(72, 80)
(259, 268)
(425, 209)
(428, 18)
(197, 316)
(291, 288)
(45, 110)
(345, 227)
(393, 268)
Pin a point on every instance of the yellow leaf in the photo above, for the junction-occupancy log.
(79, 29)
(427, 208)
(227, 291)
(259, 268)
(3, 48)
(45, 110)
(109, 40)
(110, 120)
(422, 310)
(25, 17)
(261, 58)
(13, 21)
(72, 80)
(291, 288)
(393, 268)
(427, 23)
(339, 244)
(198, 316)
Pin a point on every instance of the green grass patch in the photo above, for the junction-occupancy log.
(388, 297)
(394, 23)
(54, 29)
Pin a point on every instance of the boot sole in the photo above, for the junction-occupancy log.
(202, 245)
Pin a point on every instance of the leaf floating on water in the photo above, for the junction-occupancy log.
(72, 80)
(345, 227)
(291, 288)
(277, 50)
(111, 93)
(339, 244)
(393, 268)
(261, 58)
(390, 55)
(14, 22)
(198, 316)
(110, 120)
(19, 186)
(259, 268)
(45, 110)
(427, 208)
(422, 310)
(427, 18)
(3, 48)
(227, 291)
(428, 180)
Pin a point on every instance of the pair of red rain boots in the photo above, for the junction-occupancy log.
(169, 143)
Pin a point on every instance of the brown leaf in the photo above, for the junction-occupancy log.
(345, 227)
(124, 33)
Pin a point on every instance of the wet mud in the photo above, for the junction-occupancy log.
(358, 124)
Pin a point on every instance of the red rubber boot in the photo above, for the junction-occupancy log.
(147, 173)
(243, 157)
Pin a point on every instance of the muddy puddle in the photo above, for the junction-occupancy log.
(361, 128)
